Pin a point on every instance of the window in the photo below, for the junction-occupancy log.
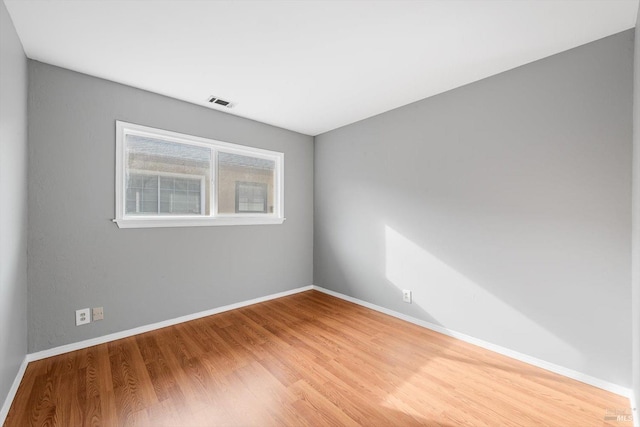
(167, 179)
(251, 197)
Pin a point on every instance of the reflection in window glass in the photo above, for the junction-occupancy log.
(251, 197)
(245, 184)
(166, 178)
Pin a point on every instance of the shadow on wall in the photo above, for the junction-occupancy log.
(504, 274)
(440, 292)
(444, 293)
(350, 278)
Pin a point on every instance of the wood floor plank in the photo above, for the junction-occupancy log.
(308, 359)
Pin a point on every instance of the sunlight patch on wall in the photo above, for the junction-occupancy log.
(448, 296)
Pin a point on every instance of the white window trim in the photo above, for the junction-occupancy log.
(147, 221)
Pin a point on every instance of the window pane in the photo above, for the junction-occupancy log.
(166, 178)
(180, 195)
(245, 184)
(251, 197)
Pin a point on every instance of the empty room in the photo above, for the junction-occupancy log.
(308, 213)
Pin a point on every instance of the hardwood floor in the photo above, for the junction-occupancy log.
(304, 360)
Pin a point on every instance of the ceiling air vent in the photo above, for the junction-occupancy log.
(222, 102)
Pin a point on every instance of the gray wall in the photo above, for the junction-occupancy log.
(635, 280)
(79, 258)
(504, 205)
(13, 205)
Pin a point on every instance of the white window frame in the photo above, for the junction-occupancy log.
(214, 219)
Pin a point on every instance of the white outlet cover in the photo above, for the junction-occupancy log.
(83, 316)
(406, 295)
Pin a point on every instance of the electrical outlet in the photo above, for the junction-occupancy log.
(98, 313)
(83, 316)
(406, 296)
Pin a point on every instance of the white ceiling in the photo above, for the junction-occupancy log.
(308, 66)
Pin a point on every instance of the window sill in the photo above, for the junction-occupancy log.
(154, 222)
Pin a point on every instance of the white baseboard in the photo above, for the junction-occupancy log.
(570, 373)
(147, 328)
(12, 391)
